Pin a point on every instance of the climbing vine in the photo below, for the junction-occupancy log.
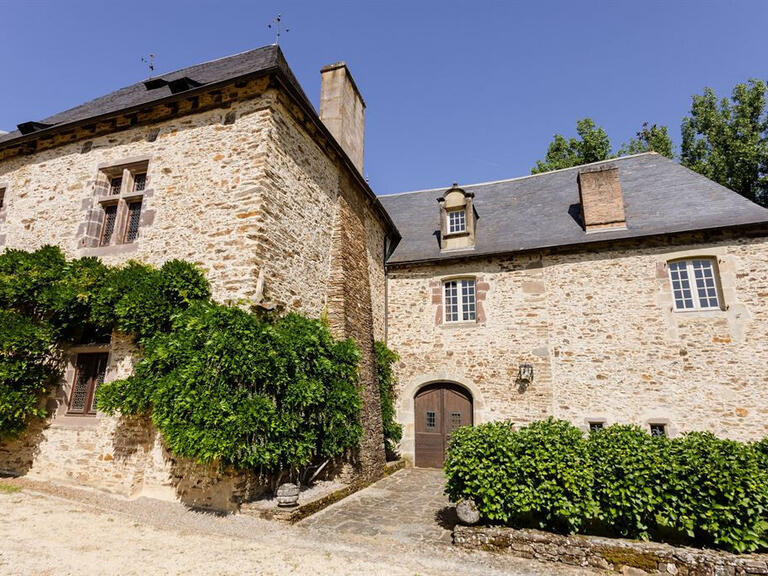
(220, 383)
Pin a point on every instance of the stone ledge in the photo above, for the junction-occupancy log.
(306, 509)
(630, 557)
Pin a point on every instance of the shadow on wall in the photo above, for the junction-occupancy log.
(17, 455)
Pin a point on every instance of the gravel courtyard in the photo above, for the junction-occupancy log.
(49, 530)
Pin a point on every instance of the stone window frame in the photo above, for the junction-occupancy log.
(721, 306)
(437, 284)
(444, 282)
(590, 421)
(669, 427)
(90, 232)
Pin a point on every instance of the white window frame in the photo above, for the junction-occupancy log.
(690, 269)
(462, 221)
(468, 309)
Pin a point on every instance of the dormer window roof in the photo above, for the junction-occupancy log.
(457, 219)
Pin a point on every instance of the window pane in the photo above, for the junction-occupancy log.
(457, 221)
(455, 420)
(595, 426)
(115, 184)
(132, 227)
(451, 302)
(139, 182)
(681, 287)
(430, 419)
(468, 299)
(705, 283)
(658, 429)
(110, 216)
(98, 378)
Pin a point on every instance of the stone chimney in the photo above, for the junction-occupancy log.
(342, 110)
(602, 203)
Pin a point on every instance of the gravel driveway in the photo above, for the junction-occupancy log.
(48, 530)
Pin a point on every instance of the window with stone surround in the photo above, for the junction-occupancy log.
(2, 198)
(90, 369)
(658, 429)
(121, 198)
(694, 284)
(596, 425)
(459, 300)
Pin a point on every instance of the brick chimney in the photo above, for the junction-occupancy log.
(342, 110)
(602, 203)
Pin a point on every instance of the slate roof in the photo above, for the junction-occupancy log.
(543, 210)
(263, 60)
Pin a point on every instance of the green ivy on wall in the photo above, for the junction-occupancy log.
(220, 383)
(393, 432)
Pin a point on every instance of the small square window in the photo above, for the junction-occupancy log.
(431, 419)
(457, 221)
(596, 426)
(658, 429)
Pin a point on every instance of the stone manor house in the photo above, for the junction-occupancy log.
(631, 290)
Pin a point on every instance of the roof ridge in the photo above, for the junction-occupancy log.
(524, 177)
(208, 62)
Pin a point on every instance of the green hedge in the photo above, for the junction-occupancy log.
(695, 489)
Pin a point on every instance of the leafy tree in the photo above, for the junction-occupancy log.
(727, 140)
(653, 138)
(592, 145)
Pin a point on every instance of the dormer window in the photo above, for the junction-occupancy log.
(457, 219)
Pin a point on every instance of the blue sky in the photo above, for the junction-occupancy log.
(456, 91)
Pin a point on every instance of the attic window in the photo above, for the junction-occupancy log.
(457, 219)
(155, 83)
(183, 84)
(30, 127)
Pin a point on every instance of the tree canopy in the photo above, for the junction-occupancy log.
(727, 140)
(724, 139)
(592, 145)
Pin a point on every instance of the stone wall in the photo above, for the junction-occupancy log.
(252, 197)
(631, 557)
(599, 329)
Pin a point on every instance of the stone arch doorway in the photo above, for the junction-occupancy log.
(439, 409)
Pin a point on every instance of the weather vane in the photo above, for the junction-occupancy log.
(150, 60)
(276, 26)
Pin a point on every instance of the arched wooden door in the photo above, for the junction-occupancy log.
(439, 409)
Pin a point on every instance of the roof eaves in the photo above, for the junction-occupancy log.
(587, 241)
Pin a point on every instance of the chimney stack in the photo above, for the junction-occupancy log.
(602, 202)
(342, 110)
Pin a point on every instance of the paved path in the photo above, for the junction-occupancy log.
(408, 506)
